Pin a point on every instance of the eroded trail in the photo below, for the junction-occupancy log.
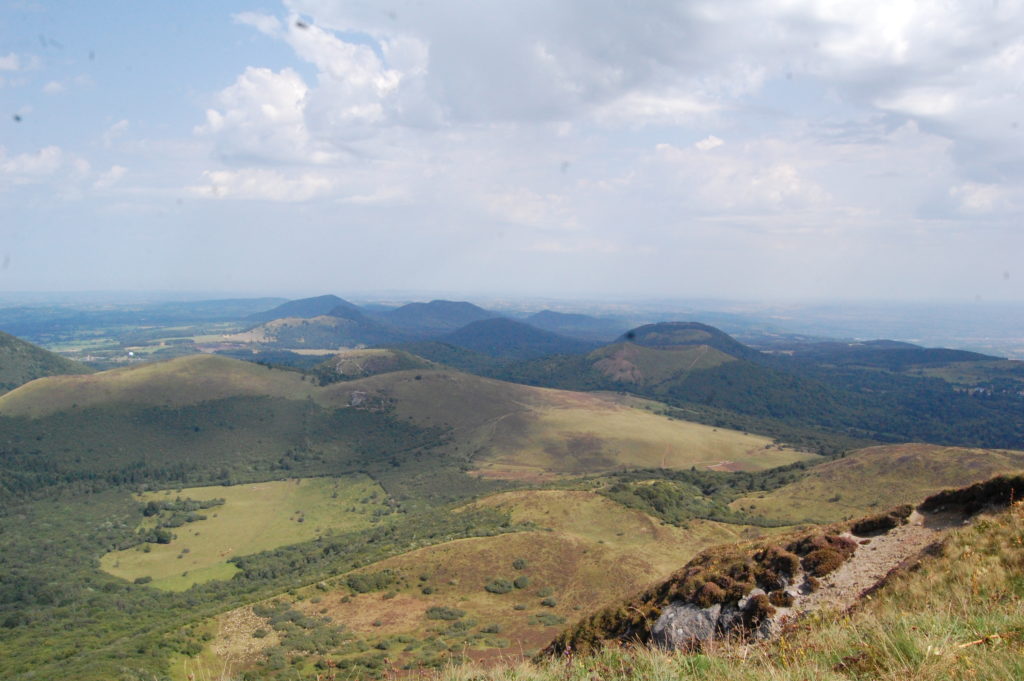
(876, 557)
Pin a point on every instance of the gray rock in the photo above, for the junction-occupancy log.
(683, 625)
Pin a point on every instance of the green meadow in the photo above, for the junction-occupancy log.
(254, 517)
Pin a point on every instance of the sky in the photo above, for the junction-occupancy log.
(775, 149)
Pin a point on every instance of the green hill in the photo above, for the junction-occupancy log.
(21, 362)
(204, 418)
(877, 477)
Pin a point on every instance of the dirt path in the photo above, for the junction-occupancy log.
(874, 559)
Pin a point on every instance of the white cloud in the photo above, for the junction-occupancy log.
(979, 198)
(264, 23)
(110, 177)
(262, 116)
(262, 185)
(46, 161)
(708, 143)
(53, 88)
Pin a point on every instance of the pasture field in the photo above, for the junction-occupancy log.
(586, 551)
(254, 517)
(603, 436)
(878, 478)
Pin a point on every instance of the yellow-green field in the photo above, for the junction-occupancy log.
(254, 517)
(587, 551)
(878, 478)
(527, 433)
(603, 436)
(176, 382)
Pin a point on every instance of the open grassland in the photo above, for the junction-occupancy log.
(878, 477)
(174, 383)
(507, 595)
(255, 517)
(604, 436)
(519, 432)
(959, 616)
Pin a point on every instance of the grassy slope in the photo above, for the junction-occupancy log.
(254, 518)
(516, 431)
(21, 362)
(175, 383)
(587, 550)
(879, 477)
(958, 616)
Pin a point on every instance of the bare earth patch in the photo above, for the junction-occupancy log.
(873, 561)
(235, 645)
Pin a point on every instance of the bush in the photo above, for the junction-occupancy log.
(499, 586)
(519, 564)
(439, 612)
(781, 598)
(143, 580)
(549, 602)
(709, 594)
(758, 609)
(823, 561)
(491, 629)
(521, 582)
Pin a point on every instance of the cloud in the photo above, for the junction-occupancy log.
(708, 143)
(262, 116)
(264, 23)
(46, 161)
(11, 62)
(262, 185)
(53, 88)
(110, 177)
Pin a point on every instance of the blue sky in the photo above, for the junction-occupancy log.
(748, 150)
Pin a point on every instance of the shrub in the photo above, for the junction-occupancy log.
(519, 606)
(519, 564)
(499, 586)
(823, 561)
(709, 594)
(260, 633)
(521, 582)
(545, 591)
(491, 629)
(427, 590)
(143, 580)
(549, 602)
(781, 598)
(439, 612)
(758, 609)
